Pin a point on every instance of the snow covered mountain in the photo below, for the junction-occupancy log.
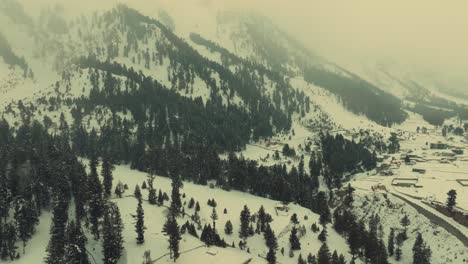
(264, 151)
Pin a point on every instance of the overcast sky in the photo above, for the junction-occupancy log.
(428, 35)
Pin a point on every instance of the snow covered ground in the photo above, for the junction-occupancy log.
(155, 241)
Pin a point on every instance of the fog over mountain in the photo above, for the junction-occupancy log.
(428, 38)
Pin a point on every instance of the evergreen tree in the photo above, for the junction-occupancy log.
(176, 202)
(214, 217)
(270, 238)
(451, 199)
(160, 199)
(391, 242)
(140, 223)
(56, 248)
(244, 223)
(323, 235)
(151, 190)
(271, 256)
(106, 173)
(228, 227)
(112, 244)
(323, 255)
(421, 252)
(172, 231)
(96, 202)
(323, 210)
(137, 192)
(294, 240)
(294, 219)
(75, 250)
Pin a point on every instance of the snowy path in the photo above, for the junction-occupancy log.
(436, 219)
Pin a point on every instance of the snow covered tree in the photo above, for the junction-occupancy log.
(421, 252)
(244, 223)
(294, 240)
(56, 248)
(26, 217)
(172, 231)
(75, 250)
(112, 244)
(96, 202)
(151, 190)
(270, 238)
(176, 202)
(106, 173)
(140, 223)
(228, 227)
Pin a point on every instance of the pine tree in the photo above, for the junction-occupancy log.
(294, 219)
(171, 229)
(405, 222)
(271, 256)
(96, 202)
(191, 203)
(160, 199)
(137, 192)
(106, 173)
(334, 258)
(214, 217)
(323, 255)
(56, 247)
(75, 240)
(355, 237)
(112, 244)
(228, 227)
(311, 259)
(151, 190)
(391, 242)
(176, 202)
(294, 240)
(451, 199)
(140, 223)
(421, 252)
(26, 217)
(270, 238)
(244, 223)
(323, 235)
(323, 209)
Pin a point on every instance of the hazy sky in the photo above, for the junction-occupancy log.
(432, 35)
(426, 35)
